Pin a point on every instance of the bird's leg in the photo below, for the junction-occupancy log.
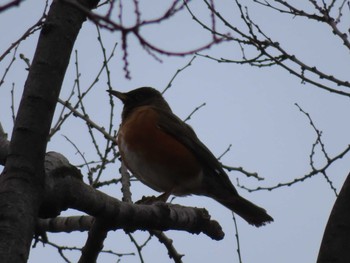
(164, 197)
(148, 200)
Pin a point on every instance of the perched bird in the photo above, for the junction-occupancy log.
(164, 153)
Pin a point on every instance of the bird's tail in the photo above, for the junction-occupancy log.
(250, 212)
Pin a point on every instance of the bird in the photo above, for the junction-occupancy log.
(164, 153)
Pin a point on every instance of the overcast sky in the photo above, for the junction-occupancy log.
(252, 109)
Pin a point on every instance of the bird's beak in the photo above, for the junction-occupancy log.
(120, 95)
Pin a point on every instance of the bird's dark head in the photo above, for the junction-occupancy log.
(144, 96)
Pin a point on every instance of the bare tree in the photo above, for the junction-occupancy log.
(37, 186)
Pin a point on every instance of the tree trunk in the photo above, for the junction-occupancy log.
(22, 182)
(335, 246)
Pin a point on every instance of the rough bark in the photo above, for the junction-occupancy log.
(27, 193)
(335, 246)
(65, 189)
(22, 181)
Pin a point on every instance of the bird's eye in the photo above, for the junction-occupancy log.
(137, 97)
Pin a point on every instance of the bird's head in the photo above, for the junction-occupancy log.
(144, 96)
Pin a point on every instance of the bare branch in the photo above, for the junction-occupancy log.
(314, 170)
(194, 111)
(28, 32)
(270, 52)
(168, 243)
(87, 119)
(237, 239)
(61, 249)
(94, 243)
(241, 170)
(125, 179)
(105, 22)
(64, 184)
(2, 81)
(303, 178)
(177, 73)
(10, 4)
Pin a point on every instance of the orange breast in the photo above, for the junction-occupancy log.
(155, 157)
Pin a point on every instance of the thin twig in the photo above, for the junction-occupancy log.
(86, 119)
(305, 177)
(2, 81)
(125, 179)
(28, 32)
(194, 111)
(237, 239)
(226, 151)
(168, 243)
(10, 4)
(241, 170)
(177, 73)
(13, 103)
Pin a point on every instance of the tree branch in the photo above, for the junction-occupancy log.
(10, 4)
(22, 181)
(65, 189)
(94, 243)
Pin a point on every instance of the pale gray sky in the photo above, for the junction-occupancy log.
(252, 109)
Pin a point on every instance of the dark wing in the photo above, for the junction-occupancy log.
(215, 175)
